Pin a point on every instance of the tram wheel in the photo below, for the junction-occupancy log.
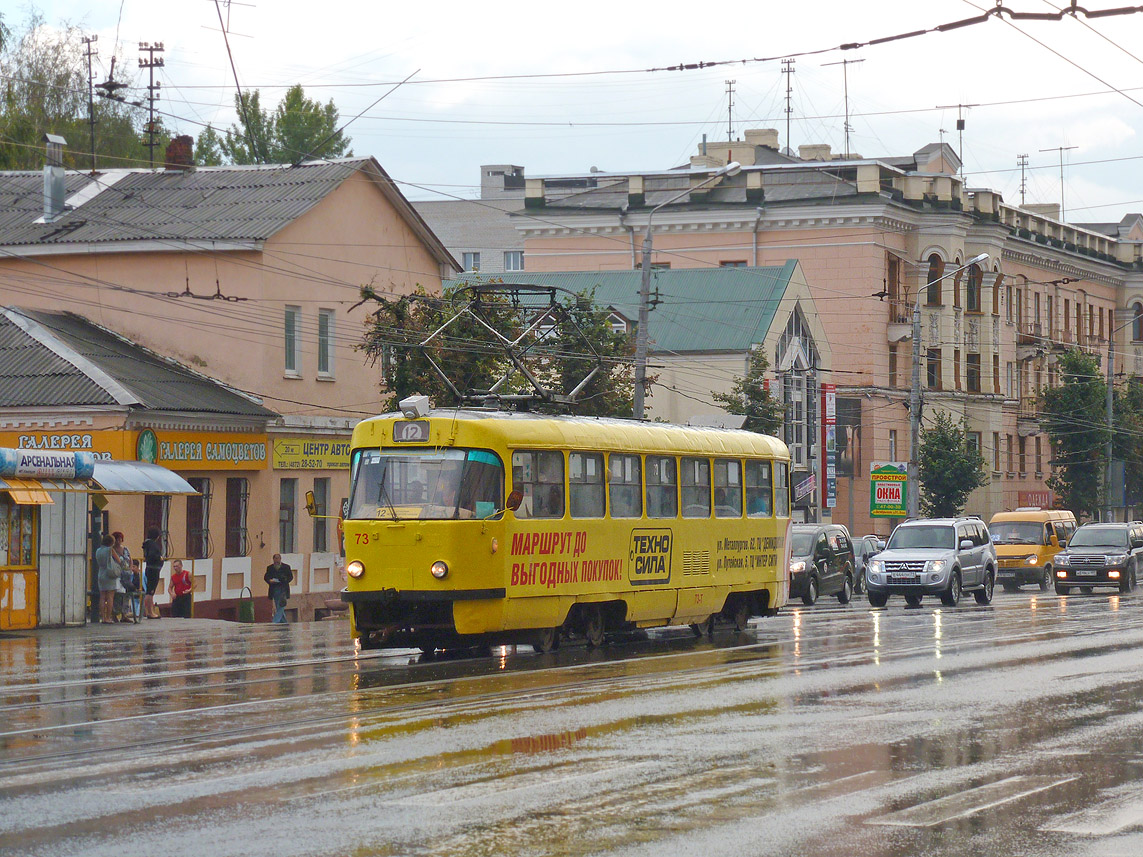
(741, 615)
(547, 640)
(593, 626)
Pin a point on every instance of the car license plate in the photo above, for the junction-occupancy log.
(1085, 572)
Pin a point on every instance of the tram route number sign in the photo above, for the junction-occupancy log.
(411, 431)
(888, 489)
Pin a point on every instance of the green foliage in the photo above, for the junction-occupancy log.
(299, 128)
(45, 91)
(470, 356)
(1074, 417)
(749, 397)
(208, 148)
(1127, 442)
(949, 468)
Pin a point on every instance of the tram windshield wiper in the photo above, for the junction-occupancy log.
(383, 495)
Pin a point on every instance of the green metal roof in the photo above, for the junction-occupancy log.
(699, 309)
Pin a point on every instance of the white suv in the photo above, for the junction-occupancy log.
(935, 556)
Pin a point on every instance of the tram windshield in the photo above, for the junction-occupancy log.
(435, 484)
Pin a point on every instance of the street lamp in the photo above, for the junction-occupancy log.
(731, 169)
(915, 392)
(1108, 449)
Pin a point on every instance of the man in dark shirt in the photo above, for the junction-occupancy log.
(279, 576)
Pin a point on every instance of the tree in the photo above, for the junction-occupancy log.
(749, 397)
(208, 148)
(299, 129)
(948, 466)
(474, 360)
(1074, 417)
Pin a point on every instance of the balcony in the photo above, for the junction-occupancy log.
(1028, 415)
(1029, 340)
(900, 320)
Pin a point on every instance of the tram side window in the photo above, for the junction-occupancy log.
(662, 487)
(624, 486)
(695, 479)
(781, 490)
(585, 484)
(539, 475)
(759, 497)
(727, 488)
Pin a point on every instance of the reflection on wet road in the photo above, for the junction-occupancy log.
(1013, 729)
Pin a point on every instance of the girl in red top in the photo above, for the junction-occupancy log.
(182, 590)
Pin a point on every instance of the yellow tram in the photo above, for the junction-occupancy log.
(482, 527)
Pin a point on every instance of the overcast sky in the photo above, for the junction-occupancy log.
(1037, 85)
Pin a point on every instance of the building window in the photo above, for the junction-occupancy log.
(513, 260)
(996, 292)
(933, 368)
(1051, 320)
(157, 514)
(287, 507)
(996, 374)
(892, 365)
(1137, 322)
(321, 509)
(293, 325)
(237, 504)
(1008, 445)
(325, 342)
(936, 271)
(996, 451)
(1067, 319)
(892, 444)
(471, 261)
(661, 266)
(18, 536)
(733, 263)
(956, 368)
(1023, 454)
(1039, 456)
(1011, 380)
(974, 441)
(956, 285)
(972, 372)
(1008, 304)
(975, 281)
(198, 520)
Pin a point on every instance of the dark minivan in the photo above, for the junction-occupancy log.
(821, 562)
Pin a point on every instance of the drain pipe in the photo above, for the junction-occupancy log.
(631, 232)
(757, 220)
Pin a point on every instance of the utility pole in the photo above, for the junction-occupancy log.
(845, 85)
(150, 63)
(959, 129)
(788, 69)
(1022, 163)
(1061, 150)
(88, 41)
(730, 110)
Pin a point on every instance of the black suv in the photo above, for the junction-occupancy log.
(821, 562)
(1101, 555)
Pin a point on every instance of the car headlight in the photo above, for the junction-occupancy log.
(1117, 559)
(1062, 559)
(355, 569)
(439, 569)
(1030, 559)
(935, 565)
(797, 567)
(876, 566)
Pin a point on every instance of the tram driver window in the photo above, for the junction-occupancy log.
(781, 490)
(662, 487)
(539, 475)
(585, 484)
(759, 496)
(695, 479)
(727, 488)
(624, 486)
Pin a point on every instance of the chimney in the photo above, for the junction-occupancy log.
(815, 152)
(180, 153)
(54, 187)
(767, 137)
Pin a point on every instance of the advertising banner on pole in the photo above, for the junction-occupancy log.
(829, 445)
(889, 489)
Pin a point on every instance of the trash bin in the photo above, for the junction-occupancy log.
(246, 605)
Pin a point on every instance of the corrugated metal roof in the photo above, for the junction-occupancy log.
(699, 309)
(219, 203)
(56, 359)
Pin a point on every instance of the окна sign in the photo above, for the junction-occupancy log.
(888, 489)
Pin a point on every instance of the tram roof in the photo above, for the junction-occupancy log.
(602, 433)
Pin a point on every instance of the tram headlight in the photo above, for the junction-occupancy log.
(439, 569)
(355, 569)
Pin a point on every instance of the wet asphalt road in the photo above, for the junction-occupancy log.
(1015, 729)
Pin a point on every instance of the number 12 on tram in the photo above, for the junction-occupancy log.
(469, 527)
